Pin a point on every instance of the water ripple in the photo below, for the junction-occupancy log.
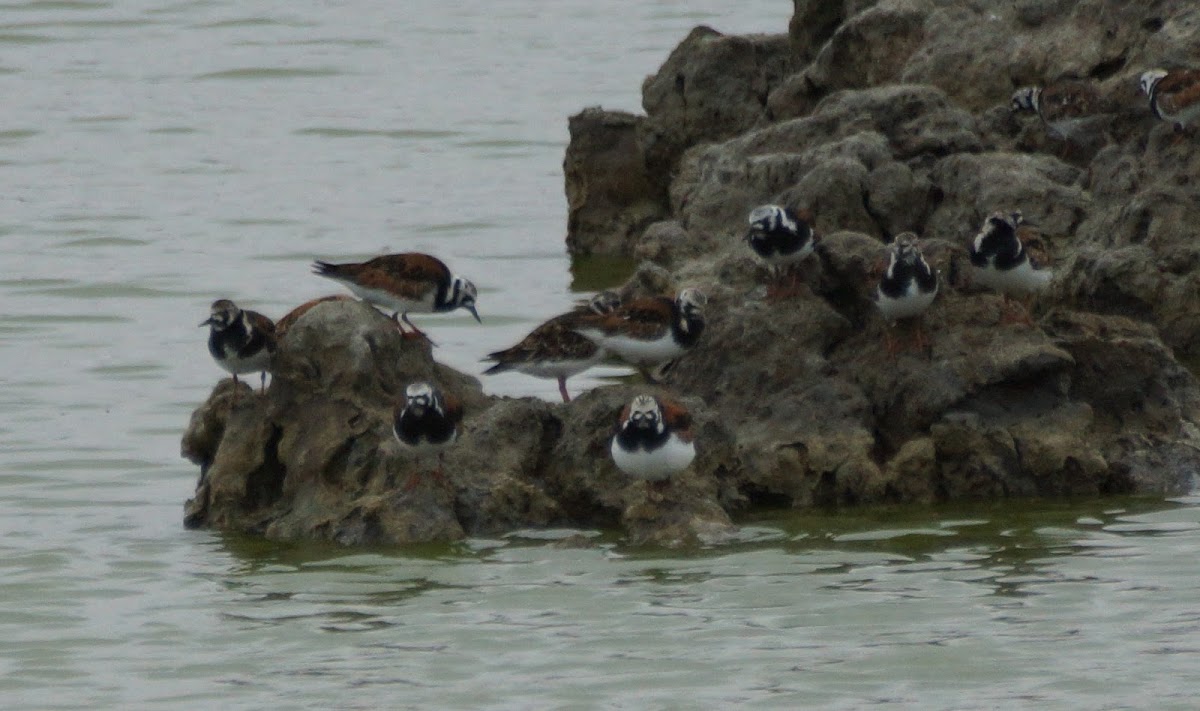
(399, 134)
(258, 73)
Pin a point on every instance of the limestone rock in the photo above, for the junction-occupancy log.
(871, 47)
(879, 116)
(711, 87)
(314, 458)
(611, 193)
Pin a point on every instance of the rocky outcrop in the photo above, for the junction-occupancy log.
(879, 117)
(895, 117)
(314, 457)
(611, 194)
(806, 409)
(618, 166)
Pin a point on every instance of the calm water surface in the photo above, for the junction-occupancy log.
(155, 156)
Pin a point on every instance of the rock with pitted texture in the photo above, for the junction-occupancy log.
(878, 117)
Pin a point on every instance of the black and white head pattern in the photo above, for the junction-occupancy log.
(907, 265)
(772, 218)
(461, 295)
(419, 397)
(690, 303)
(779, 234)
(224, 314)
(604, 302)
(1150, 80)
(424, 421)
(645, 413)
(905, 250)
(645, 419)
(1027, 98)
(996, 244)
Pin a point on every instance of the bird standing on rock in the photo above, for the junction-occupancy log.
(404, 283)
(653, 440)
(649, 331)
(907, 287)
(1065, 107)
(554, 349)
(782, 238)
(1001, 263)
(426, 421)
(239, 340)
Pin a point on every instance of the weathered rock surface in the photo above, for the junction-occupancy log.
(895, 117)
(880, 116)
(314, 458)
(611, 194)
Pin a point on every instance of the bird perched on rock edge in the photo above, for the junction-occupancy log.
(1174, 95)
(783, 238)
(240, 341)
(907, 287)
(648, 331)
(404, 283)
(426, 420)
(1001, 262)
(1067, 108)
(653, 440)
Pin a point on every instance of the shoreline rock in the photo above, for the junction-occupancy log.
(877, 128)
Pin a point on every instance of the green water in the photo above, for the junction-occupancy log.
(159, 155)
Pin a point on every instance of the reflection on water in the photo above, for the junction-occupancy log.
(1017, 604)
(599, 272)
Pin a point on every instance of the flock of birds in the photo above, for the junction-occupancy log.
(653, 438)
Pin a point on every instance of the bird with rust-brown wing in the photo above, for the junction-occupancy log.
(1174, 94)
(649, 331)
(404, 283)
(240, 341)
(653, 439)
(554, 349)
(1067, 108)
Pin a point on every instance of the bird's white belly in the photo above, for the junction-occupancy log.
(636, 351)
(1022, 279)
(390, 301)
(257, 363)
(655, 465)
(908, 305)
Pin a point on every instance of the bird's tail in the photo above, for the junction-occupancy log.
(326, 269)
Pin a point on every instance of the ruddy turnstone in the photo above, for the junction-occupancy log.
(241, 341)
(782, 238)
(648, 331)
(1174, 94)
(1067, 108)
(428, 422)
(1000, 261)
(908, 286)
(404, 283)
(554, 349)
(653, 440)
